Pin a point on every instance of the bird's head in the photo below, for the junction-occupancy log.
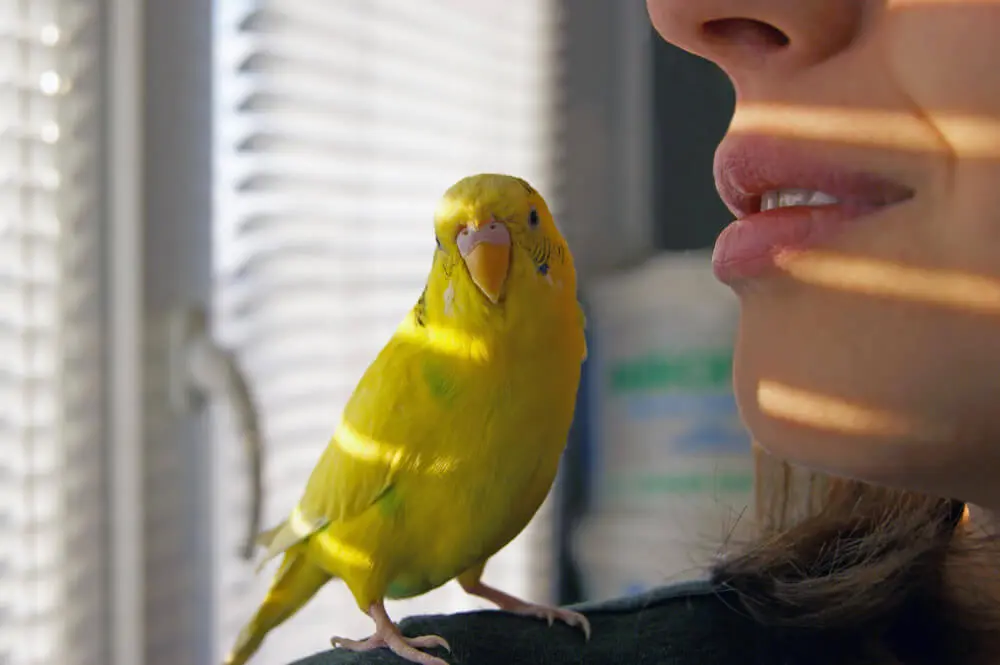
(498, 249)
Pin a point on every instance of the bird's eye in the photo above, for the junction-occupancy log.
(533, 218)
(438, 241)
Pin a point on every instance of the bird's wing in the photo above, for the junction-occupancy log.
(367, 449)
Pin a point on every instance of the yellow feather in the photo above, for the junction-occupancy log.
(296, 582)
(452, 438)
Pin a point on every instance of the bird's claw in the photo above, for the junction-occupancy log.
(402, 646)
(550, 614)
(428, 642)
(373, 642)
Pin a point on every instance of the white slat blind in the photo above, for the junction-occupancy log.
(339, 126)
(52, 580)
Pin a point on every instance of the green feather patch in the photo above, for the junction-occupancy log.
(439, 381)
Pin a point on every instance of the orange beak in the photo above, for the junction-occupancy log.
(486, 252)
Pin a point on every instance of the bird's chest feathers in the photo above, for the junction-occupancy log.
(511, 378)
(505, 425)
(516, 399)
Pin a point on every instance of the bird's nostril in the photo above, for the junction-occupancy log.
(745, 32)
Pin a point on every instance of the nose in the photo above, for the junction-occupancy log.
(747, 36)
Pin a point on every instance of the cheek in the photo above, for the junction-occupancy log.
(945, 56)
(448, 263)
(868, 389)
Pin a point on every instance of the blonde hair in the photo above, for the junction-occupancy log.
(892, 577)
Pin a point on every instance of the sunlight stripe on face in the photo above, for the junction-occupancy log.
(968, 136)
(879, 278)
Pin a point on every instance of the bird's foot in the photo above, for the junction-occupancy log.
(388, 635)
(551, 615)
(377, 641)
(402, 646)
(515, 605)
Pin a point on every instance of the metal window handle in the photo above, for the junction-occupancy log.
(205, 370)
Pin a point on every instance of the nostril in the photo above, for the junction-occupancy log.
(745, 32)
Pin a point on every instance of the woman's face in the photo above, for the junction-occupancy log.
(869, 341)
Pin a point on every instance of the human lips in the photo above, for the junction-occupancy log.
(786, 198)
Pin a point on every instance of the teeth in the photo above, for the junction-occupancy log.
(783, 198)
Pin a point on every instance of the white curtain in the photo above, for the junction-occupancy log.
(53, 553)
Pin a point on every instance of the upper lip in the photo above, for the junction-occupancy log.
(746, 167)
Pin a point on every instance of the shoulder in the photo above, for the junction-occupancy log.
(686, 624)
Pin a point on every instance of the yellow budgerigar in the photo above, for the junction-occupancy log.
(452, 438)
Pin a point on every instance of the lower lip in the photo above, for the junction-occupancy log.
(749, 247)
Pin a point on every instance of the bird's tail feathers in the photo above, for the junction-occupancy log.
(265, 538)
(281, 538)
(296, 581)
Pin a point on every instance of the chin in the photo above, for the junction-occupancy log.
(938, 461)
(809, 428)
(893, 394)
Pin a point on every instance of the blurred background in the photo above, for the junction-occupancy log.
(213, 213)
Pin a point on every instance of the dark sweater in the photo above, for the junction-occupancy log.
(686, 624)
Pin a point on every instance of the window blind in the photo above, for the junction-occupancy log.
(338, 127)
(52, 547)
